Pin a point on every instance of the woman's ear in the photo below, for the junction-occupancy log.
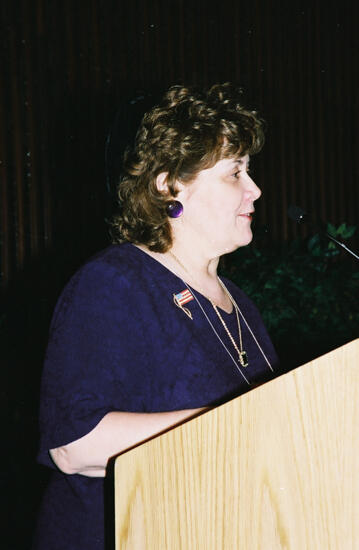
(161, 183)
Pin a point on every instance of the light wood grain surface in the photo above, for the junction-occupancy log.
(277, 468)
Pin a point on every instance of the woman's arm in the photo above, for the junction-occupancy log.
(116, 432)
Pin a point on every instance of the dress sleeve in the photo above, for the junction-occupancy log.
(91, 356)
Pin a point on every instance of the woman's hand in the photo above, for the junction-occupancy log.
(116, 432)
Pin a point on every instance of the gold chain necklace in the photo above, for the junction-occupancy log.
(242, 354)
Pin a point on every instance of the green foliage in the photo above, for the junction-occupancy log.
(306, 290)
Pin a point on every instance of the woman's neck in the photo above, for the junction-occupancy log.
(197, 263)
(198, 270)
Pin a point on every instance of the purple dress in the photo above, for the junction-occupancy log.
(118, 342)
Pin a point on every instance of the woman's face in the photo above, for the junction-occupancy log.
(218, 206)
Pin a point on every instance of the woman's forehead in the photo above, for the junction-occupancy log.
(226, 164)
(231, 161)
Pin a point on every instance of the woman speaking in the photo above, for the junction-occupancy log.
(146, 334)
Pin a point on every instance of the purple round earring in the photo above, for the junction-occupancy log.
(174, 209)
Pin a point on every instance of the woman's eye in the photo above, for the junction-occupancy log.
(240, 172)
(243, 169)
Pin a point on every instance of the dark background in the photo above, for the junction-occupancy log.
(69, 70)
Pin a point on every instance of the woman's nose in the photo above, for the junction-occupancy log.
(254, 189)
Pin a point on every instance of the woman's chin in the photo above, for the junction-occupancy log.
(226, 246)
(239, 244)
(245, 239)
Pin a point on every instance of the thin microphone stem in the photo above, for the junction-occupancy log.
(342, 245)
(299, 215)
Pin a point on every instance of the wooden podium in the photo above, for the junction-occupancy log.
(276, 468)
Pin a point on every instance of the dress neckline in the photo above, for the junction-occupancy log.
(164, 269)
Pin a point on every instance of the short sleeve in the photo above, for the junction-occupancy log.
(89, 362)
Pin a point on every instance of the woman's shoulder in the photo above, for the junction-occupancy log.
(115, 258)
(110, 273)
(116, 262)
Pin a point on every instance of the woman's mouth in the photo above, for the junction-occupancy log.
(248, 215)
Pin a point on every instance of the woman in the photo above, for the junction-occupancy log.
(146, 334)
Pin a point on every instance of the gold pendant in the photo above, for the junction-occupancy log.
(243, 359)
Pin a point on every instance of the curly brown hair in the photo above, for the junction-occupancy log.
(189, 131)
